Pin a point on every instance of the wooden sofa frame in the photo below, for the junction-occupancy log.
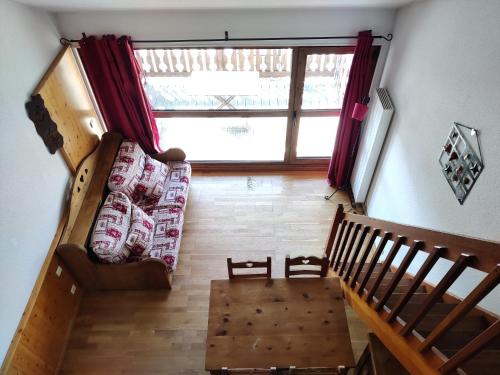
(87, 194)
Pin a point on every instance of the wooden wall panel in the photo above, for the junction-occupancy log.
(68, 101)
(40, 343)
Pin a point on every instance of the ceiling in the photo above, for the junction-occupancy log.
(72, 5)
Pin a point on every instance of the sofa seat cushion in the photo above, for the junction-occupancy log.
(175, 190)
(127, 168)
(167, 236)
(140, 234)
(111, 229)
(152, 182)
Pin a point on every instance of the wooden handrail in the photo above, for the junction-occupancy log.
(358, 243)
(487, 253)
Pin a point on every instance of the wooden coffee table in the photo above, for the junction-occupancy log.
(258, 323)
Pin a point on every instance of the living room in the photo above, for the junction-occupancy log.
(260, 148)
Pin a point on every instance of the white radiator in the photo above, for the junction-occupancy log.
(370, 144)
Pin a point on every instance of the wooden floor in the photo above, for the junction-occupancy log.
(241, 216)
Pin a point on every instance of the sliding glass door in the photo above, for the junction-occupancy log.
(227, 105)
(321, 82)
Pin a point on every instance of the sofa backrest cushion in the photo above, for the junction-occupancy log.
(127, 169)
(111, 229)
(152, 182)
(140, 235)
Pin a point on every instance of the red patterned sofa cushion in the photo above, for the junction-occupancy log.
(167, 236)
(111, 229)
(152, 181)
(127, 169)
(175, 190)
(140, 234)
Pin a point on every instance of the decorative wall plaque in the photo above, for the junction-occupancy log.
(45, 127)
(459, 160)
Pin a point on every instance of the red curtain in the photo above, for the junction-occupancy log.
(115, 77)
(357, 90)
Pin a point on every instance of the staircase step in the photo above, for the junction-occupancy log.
(406, 280)
(385, 280)
(455, 340)
(375, 272)
(417, 298)
(485, 363)
(402, 286)
(467, 324)
(377, 268)
(441, 308)
(399, 291)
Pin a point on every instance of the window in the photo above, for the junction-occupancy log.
(318, 105)
(225, 138)
(217, 79)
(247, 104)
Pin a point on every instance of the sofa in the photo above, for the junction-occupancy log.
(126, 217)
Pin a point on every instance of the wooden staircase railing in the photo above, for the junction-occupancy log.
(429, 330)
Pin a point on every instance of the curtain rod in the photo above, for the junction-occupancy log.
(226, 38)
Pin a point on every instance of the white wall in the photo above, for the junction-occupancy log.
(34, 181)
(240, 23)
(443, 66)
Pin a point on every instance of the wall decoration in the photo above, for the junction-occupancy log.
(45, 127)
(459, 160)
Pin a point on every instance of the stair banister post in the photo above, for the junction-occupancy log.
(400, 272)
(355, 254)
(432, 258)
(449, 278)
(478, 293)
(378, 251)
(472, 348)
(364, 257)
(354, 237)
(398, 242)
(339, 216)
(347, 235)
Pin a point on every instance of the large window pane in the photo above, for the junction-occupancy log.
(317, 136)
(225, 139)
(217, 79)
(325, 80)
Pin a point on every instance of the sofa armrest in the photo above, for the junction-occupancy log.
(172, 154)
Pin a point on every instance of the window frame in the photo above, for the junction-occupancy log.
(293, 114)
(298, 112)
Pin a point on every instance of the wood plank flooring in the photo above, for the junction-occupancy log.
(238, 215)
